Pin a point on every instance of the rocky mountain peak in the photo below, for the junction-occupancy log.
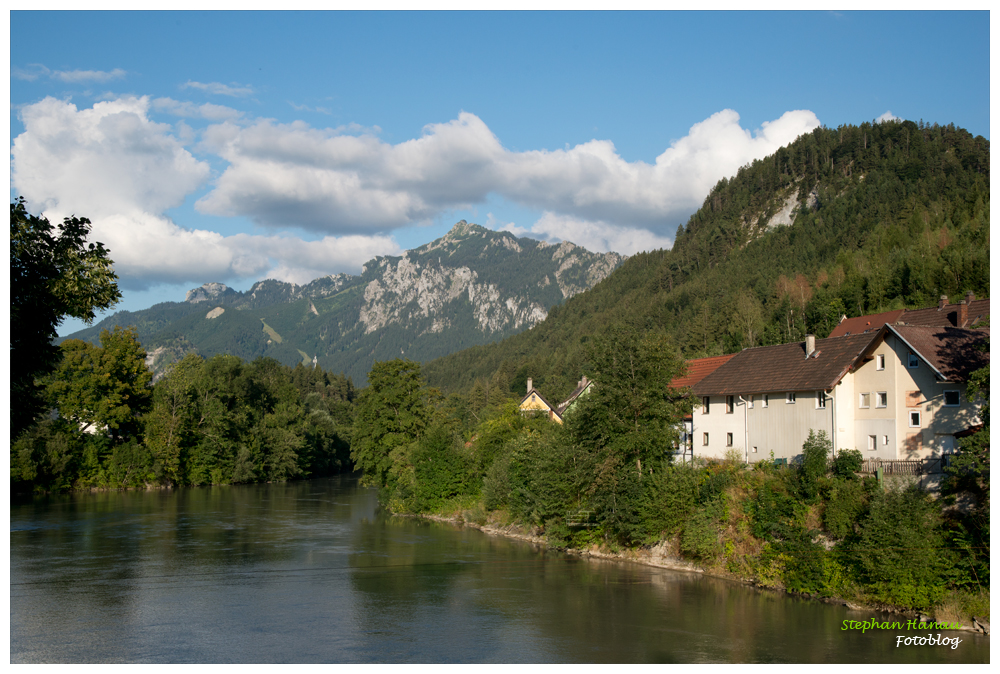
(208, 292)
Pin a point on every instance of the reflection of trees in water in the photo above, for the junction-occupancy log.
(316, 559)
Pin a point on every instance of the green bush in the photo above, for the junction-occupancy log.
(847, 463)
(899, 551)
(847, 500)
(702, 531)
(813, 463)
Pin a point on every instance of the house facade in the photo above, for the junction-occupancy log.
(895, 393)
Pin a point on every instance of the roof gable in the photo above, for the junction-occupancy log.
(953, 353)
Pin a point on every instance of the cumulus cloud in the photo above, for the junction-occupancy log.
(107, 159)
(114, 165)
(282, 174)
(124, 170)
(327, 181)
(219, 89)
(599, 236)
(887, 116)
(36, 70)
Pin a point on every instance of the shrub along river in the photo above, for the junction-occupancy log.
(313, 572)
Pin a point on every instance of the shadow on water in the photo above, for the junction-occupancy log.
(313, 571)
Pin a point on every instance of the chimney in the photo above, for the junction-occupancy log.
(529, 385)
(810, 345)
(963, 313)
(583, 382)
(942, 302)
(970, 297)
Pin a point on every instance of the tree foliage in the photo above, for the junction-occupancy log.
(54, 273)
(104, 387)
(391, 412)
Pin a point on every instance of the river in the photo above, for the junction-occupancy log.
(312, 571)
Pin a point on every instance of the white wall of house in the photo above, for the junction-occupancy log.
(875, 405)
(771, 425)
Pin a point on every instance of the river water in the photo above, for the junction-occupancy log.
(312, 571)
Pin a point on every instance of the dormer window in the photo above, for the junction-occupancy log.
(911, 360)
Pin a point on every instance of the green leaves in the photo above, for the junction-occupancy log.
(52, 275)
(104, 387)
(391, 412)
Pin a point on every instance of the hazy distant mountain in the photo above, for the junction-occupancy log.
(472, 286)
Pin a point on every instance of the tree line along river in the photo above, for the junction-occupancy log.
(313, 571)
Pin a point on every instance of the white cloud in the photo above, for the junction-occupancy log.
(321, 179)
(599, 237)
(109, 159)
(36, 70)
(887, 116)
(281, 174)
(209, 111)
(114, 165)
(234, 89)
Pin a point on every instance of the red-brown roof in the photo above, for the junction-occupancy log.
(929, 317)
(948, 315)
(869, 323)
(955, 353)
(770, 369)
(698, 369)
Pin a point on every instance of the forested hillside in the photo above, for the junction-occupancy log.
(882, 215)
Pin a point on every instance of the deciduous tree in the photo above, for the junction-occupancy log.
(53, 274)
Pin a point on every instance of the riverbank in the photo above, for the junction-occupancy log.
(664, 555)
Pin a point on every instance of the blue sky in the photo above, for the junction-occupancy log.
(225, 146)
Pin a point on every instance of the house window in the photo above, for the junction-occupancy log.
(704, 439)
(730, 404)
(885, 440)
(911, 360)
(871, 443)
(704, 405)
(790, 397)
(880, 361)
(749, 402)
(865, 400)
(821, 400)
(755, 449)
(914, 419)
(881, 399)
(952, 398)
(729, 439)
(763, 400)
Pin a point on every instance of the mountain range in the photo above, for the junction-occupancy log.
(471, 287)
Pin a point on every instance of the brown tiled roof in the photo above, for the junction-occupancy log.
(947, 315)
(784, 367)
(869, 323)
(930, 317)
(698, 369)
(953, 352)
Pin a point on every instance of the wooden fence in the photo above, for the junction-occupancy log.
(902, 466)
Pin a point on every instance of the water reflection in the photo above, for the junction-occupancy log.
(312, 572)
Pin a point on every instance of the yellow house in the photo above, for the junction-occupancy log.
(535, 403)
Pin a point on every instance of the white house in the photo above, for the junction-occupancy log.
(895, 393)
